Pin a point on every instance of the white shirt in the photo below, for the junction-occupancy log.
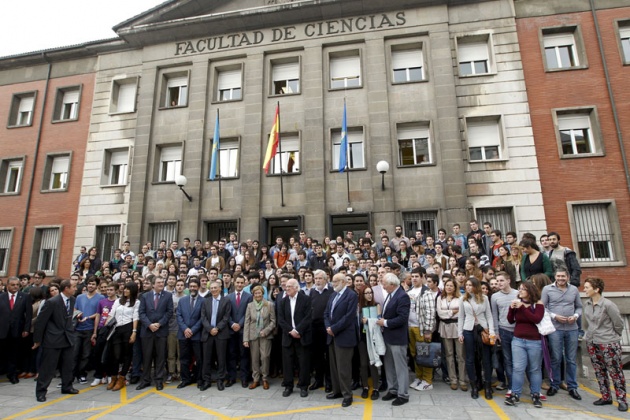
(293, 301)
(126, 314)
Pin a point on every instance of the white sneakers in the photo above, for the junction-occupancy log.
(419, 385)
(95, 382)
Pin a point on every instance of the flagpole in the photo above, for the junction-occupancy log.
(280, 157)
(219, 165)
(346, 151)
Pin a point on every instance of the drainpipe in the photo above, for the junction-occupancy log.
(35, 155)
(612, 98)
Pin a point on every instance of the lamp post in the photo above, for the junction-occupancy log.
(180, 181)
(382, 166)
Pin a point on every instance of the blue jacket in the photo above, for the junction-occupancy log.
(188, 317)
(150, 315)
(237, 315)
(343, 320)
(396, 313)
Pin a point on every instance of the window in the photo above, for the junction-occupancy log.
(123, 95)
(11, 175)
(624, 36)
(286, 77)
(107, 240)
(228, 158)
(407, 64)
(176, 89)
(56, 173)
(355, 153)
(45, 250)
(426, 221)
(594, 233)
(67, 104)
(166, 231)
(115, 167)
(217, 230)
(170, 163)
(21, 114)
(290, 156)
(345, 70)
(413, 144)
(484, 139)
(560, 49)
(474, 55)
(502, 218)
(578, 133)
(229, 85)
(5, 247)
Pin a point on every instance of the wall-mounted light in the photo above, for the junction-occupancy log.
(382, 167)
(181, 181)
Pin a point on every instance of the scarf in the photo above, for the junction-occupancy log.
(259, 320)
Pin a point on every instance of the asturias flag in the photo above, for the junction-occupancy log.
(343, 148)
(215, 150)
(274, 139)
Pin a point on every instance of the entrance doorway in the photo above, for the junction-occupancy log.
(341, 224)
(285, 227)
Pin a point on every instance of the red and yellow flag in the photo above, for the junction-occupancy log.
(274, 139)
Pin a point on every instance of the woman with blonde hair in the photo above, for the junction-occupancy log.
(472, 270)
(260, 321)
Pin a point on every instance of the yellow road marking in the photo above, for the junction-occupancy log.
(121, 404)
(192, 405)
(39, 406)
(573, 410)
(367, 409)
(87, 410)
(597, 394)
(497, 410)
(299, 410)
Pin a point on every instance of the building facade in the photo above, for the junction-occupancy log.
(576, 60)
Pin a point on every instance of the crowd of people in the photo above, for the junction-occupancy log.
(343, 314)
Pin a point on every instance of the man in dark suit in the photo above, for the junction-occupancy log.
(189, 333)
(239, 300)
(320, 294)
(54, 331)
(215, 317)
(294, 318)
(340, 319)
(16, 314)
(156, 309)
(394, 322)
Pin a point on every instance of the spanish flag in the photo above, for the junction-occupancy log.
(274, 140)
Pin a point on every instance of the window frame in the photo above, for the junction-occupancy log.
(5, 166)
(623, 29)
(335, 134)
(578, 46)
(107, 169)
(471, 40)
(4, 267)
(168, 76)
(293, 136)
(116, 86)
(284, 61)
(14, 112)
(415, 126)
(222, 141)
(400, 49)
(158, 171)
(46, 181)
(37, 244)
(334, 57)
(223, 69)
(617, 245)
(59, 108)
(597, 140)
(501, 145)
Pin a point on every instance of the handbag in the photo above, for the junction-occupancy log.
(484, 332)
(428, 354)
(545, 326)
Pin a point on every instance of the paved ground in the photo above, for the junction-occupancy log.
(18, 402)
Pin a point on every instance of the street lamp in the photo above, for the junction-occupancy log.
(382, 167)
(181, 181)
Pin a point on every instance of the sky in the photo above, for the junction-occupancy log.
(33, 25)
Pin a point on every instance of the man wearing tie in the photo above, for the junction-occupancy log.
(16, 313)
(239, 299)
(394, 322)
(189, 333)
(294, 318)
(156, 308)
(215, 316)
(54, 331)
(340, 319)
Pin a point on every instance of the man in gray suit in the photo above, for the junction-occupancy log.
(215, 316)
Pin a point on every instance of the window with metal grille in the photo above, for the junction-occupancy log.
(166, 231)
(222, 229)
(594, 232)
(5, 246)
(502, 218)
(426, 221)
(107, 240)
(45, 250)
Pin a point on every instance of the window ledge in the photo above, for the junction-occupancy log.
(284, 174)
(65, 121)
(344, 89)
(8, 194)
(123, 112)
(410, 82)
(602, 264)
(281, 95)
(163, 182)
(489, 160)
(349, 170)
(421, 165)
(467, 76)
(224, 102)
(60, 190)
(583, 155)
(582, 67)
(225, 178)
(112, 185)
(162, 108)
(20, 126)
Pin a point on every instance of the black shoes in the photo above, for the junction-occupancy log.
(347, 402)
(134, 380)
(474, 392)
(244, 384)
(159, 386)
(622, 406)
(314, 386)
(512, 400)
(375, 395)
(602, 402)
(13, 379)
(203, 386)
(221, 385)
(287, 391)
(183, 384)
(304, 392)
(365, 393)
(400, 401)
(71, 391)
(574, 394)
(41, 398)
(488, 392)
(142, 386)
(332, 396)
(536, 401)
(229, 383)
(552, 391)
(355, 385)
(389, 396)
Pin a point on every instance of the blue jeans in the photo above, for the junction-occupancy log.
(526, 357)
(506, 345)
(564, 342)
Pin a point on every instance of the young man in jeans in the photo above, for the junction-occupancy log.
(501, 301)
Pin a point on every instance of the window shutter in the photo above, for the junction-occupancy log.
(345, 67)
(558, 40)
(177, 82)
(472, 51)
(573, 122)
(26, 104)
(119, 157)
(483, 133)
(5, 239)
(413, 132)
(49, 238)
(406, 59)
(126, 97)
(287, 71)
(71, 97)
(60, 164)
(169, 154)
(229, 79)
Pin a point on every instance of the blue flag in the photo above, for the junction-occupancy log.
(343, 148)
(215, 150)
